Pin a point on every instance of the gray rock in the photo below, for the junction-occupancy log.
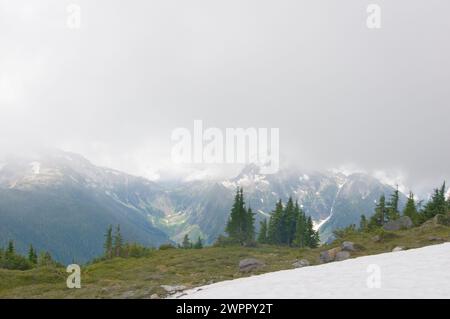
(376, 238)
(329, 255)
(435, 238)
(249, 264)
(173, 289)
(398, 248)
(440, 219)
(403, 222)
(301, 263)
(154, 296)
(342, 255)
(128, 294)
(348, 246)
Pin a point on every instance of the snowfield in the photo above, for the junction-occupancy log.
(415, 273)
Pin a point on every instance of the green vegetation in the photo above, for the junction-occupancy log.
(9, 259)
(140, 277)
(385, 212)
(289, 226)
(240, 227)
(128, 270)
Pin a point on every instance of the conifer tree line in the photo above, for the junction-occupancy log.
(241, 223)
(10, 259)
(114, 245)
(187, 244)
(288, 225)
(388, 209)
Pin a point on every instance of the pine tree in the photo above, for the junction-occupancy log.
(379, 218)
(199, 243)
(275, 225)
(32, 255)
(108, 246)
(118, 242)
(240, 226)
(437, 205)
(262, 236)
(363, 224)
(234, 227)
(186, 242)
(10, 250)
(300, 239)
(289, 222)
(312, 237)
(411, 210)
(249, 226)
(392, 206)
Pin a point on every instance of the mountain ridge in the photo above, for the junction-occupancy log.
(153, 213)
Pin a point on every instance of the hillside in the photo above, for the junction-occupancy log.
(60, 202)
(143, 277)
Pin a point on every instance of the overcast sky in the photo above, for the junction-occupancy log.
(341, 94)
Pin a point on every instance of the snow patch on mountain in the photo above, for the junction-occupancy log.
(35, 168)
(415, 273)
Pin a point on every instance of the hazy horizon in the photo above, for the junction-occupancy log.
(343, 96)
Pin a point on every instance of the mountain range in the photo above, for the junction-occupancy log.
(60, 202)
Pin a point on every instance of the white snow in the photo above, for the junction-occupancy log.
(316, 226)
(35, 167)
(263, 213)
(304, 178)
(415, 273)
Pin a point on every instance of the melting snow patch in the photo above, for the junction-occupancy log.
(414, 273)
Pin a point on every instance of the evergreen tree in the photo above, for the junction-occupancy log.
(10, 250)
(300, 239)
(437, 205)
(289, 223)
(108, 245)
(186, 242)
(240, 226)
(410, 209)
(199, 243)
(363, 224)
(312, 237)
(262, 236)
(249, 226)
(118, 242)
(379, 218)
(275, 225)
(32, 255)
(392, 206)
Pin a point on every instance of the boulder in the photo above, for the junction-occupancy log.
(435, 238)
(376, 238)
(348, 246)
(329, 255)
(398, 248)
(173, 289)
(403, 222)
(154, 296)
(441, 220)
(342, 255)
(249, 264)
(301, 263)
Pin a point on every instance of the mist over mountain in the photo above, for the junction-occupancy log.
(60, 202)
